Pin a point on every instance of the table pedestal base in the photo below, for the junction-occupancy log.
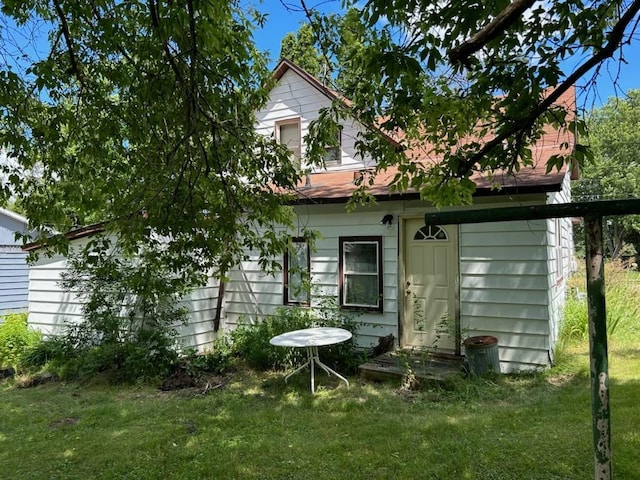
(312, 359)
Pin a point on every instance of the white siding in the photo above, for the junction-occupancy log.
(504, 277)
(252, 294)
(508, 286)
(294, 97)
(561, 262)
(51, 308)
(504, 289)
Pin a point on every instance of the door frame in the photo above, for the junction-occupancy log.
(402, 225)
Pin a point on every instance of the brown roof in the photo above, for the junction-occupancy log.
(71, 235)
(338, 186)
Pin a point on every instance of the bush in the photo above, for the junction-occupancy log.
(53, 350)
(215, 360)
(16, 338)
(251, 341)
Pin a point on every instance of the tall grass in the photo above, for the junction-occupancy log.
(622, 300)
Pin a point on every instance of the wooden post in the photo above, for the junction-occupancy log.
(601, 414)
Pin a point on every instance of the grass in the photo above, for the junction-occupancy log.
(535, 426)
(256, 427)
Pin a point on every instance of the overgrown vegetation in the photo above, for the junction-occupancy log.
(623, 312)
(16, 339)
(130, 307)
(251, 340)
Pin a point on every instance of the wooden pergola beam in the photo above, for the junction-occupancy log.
(602, 208)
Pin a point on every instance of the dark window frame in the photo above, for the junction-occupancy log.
(341, 273)
(286, 277)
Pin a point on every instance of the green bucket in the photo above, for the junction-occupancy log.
(482, 354)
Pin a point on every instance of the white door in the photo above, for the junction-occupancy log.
(430, 286)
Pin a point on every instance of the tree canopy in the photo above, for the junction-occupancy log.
(299, 47)
(614, 172)
(472, 83)
(141, 113)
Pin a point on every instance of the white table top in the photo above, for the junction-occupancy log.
(311, 337)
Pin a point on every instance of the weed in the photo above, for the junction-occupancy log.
(622, 285)
(16, 338)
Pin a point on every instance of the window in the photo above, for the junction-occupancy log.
(431, 232)
(360, 266)
(297, 267)
(288, 133)
(333, 153)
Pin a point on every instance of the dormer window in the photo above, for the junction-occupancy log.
(288, 133)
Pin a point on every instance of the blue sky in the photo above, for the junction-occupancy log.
(615, 78)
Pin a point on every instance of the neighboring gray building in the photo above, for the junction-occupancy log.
(14, 271)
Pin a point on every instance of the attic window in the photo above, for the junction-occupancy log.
(288, 133)
(333, 152)
(431, 232)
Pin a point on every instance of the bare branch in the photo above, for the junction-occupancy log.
(614, 39)
(496, 27)
(75, 66)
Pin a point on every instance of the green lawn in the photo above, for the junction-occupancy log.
(255, 427)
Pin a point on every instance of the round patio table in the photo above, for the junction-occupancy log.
(311, 339)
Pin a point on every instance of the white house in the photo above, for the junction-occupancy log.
(506, 279)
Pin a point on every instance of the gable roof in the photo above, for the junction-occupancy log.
(337, 186)
(286, 65)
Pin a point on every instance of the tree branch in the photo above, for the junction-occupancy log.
(75, 66)
(461, 53)
(155, 23)
(614, 39)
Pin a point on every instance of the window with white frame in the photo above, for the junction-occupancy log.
(297, 267)
(360, 266)
(288, 133)
(333, 152)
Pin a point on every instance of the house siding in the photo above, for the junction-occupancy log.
(14, 271)
(251, 294)
(507, 285)
(561, 263)
(503, 277)
(294, 97)
(52, 309)
(504, 289)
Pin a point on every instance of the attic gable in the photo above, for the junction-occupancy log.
(337, 184)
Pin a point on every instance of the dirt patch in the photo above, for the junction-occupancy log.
(561, 379)
(181, 381)
(64, 422)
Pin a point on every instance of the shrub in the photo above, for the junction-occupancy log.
(131, 304)
(215, 360)
(53, 350)
(15, 339)
(251, 341)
